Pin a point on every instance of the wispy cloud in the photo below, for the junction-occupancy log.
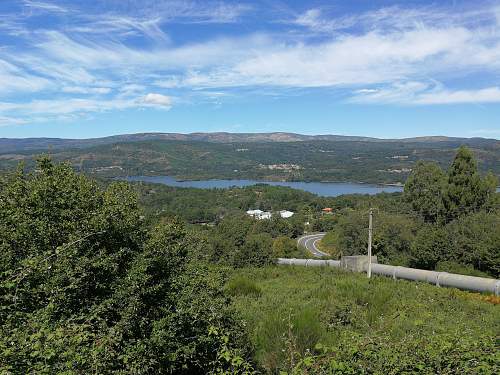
(9, 121)
(422, 93)
(127, 57)
(44, 6)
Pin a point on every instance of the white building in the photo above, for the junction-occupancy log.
(286, 214)
(254, 212)
(259, 214)
(264, 215)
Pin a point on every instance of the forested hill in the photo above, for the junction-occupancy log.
(23, 144)
(273, 156)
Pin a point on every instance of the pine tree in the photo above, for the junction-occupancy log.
(465, 192)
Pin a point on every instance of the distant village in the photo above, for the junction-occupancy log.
(285, 214)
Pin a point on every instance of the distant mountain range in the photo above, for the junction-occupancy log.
(9, 145)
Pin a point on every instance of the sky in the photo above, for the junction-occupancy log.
(380, 68)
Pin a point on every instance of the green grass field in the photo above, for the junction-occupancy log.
(377, 326)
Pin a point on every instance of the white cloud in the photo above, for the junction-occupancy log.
(86, 90)
(158, 100)
(9, 121)
(57, 109)
(386, 59)
(486, 95)
(422, 93)
(44, 6)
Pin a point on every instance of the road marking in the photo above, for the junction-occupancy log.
(309, 242)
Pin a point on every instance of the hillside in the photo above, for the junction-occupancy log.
(377, 326)
(9, 145)
(261, 156)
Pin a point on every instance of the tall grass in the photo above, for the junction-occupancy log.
(243, 286)
(285, 336)
(379, 321)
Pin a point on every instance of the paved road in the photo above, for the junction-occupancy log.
(310, 242)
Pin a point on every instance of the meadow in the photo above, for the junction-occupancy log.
(319, 320)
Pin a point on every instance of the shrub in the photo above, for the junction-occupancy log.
(85, 288)
(454, 267)
(283, 337)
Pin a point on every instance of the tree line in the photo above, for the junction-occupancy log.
(444, 220)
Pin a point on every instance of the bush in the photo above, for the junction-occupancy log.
(329, 244)
(284, 247)
(454, 267)
(85, 288)
(242, 286)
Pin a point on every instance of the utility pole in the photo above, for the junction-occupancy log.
(370, 230)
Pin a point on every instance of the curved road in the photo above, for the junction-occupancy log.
(310, 243)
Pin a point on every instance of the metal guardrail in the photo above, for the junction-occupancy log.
(477, 284)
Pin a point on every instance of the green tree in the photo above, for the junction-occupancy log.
(256, 251)
(424, 190)
(392, 238)
(475, 241)
(284, 247)
(465, 191)
(432, 245)
(85, 288)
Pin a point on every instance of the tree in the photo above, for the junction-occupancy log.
(476, 241)
(465, 191)
(86, 288)
(256, 251)
(424, 190)
(392, 238)
(432, 245)
(284, 247)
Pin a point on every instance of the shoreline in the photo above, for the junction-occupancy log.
(257, 181)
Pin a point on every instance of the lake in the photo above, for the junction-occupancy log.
(325, 189)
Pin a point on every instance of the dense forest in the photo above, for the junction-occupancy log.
(98, 276)
(358, 160)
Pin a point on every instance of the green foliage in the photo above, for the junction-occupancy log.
(285, 336)
(476, 241)
(256, 251)
(84, 287)
(448, 354)
(424, 190)
(432, 245)
(393, 237)
(284, 247)
(465, 191)
(329, 244)
(433, 231)
(243, 286)
(351, 233)
(454, 267)
(377, 326)
(320, 160)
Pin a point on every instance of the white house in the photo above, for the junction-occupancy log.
(264, 215)
(259, 214)
(286, 214)
(254, 212)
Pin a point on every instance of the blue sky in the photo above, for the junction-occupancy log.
(390, 69)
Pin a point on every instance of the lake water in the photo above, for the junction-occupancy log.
(325, 189)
